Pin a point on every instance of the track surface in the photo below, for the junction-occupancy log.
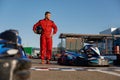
(58, 72)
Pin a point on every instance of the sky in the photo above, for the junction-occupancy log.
(71, 16)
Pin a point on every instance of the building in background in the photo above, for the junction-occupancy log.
(108, 31)
(74, 42)
(116, 44)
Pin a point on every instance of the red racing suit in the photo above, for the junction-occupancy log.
(49, 28)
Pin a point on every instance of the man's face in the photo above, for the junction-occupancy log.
(48, 16)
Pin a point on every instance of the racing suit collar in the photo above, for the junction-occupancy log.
(46, 19)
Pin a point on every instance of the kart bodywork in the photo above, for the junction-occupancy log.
(88, 55)
(14, 64)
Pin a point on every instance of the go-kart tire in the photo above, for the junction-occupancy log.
(60, 61)
(9, 69)
(80, 62)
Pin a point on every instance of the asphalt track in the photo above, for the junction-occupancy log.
(58, 72)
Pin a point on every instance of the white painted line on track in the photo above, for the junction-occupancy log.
(68, 70)
(117, 70)
(105, 70)
(41, 70)
(93, 70)
(109, 72)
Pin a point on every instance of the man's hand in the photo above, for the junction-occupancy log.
(35, 31)
(52, 35)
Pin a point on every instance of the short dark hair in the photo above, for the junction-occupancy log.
(47, 12)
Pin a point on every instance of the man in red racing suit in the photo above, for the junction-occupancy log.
(48, 30)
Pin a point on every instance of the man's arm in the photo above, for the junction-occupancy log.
(55, 29)
(36, 25)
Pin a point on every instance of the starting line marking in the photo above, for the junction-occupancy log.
(75, 69)
(102, 70)
(42, 69)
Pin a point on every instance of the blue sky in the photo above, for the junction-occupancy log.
(71, 16)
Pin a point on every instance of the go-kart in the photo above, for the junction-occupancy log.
(88, 55)
(14, 64)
